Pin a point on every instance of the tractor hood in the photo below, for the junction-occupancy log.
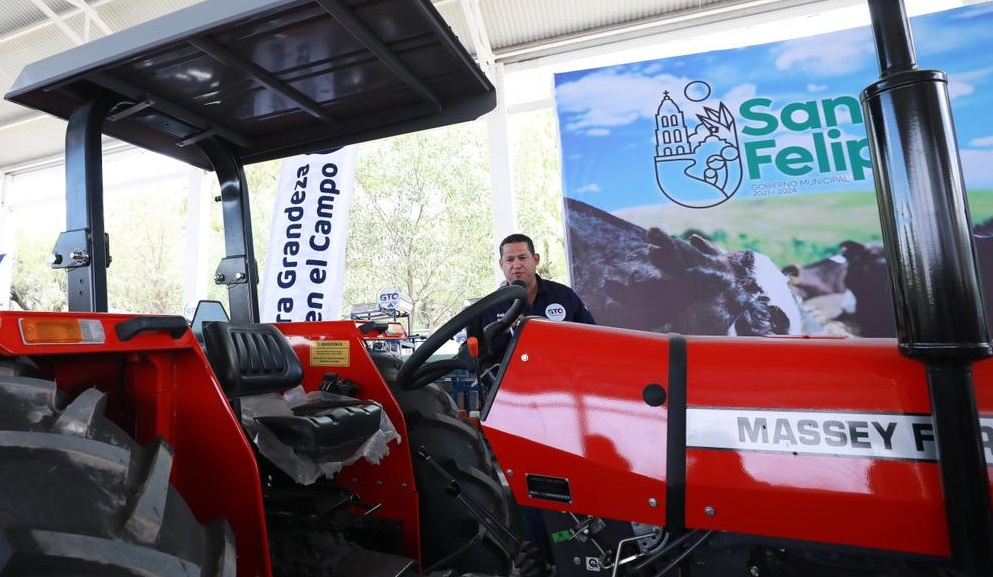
(272, 78)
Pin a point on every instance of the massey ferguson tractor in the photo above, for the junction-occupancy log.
(141, 445)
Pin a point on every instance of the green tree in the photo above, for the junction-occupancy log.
(538, 188)
(147, 246)
(35, 286)
(420, 222)
(263, 179)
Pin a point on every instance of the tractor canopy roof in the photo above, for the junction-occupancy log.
(273, 78)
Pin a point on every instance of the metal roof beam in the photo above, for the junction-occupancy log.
(57, 20)
(91, 16)
(137, 95)
(355, 27)
(732, 11)
(25, 30)
(263, 76)
(477, 29)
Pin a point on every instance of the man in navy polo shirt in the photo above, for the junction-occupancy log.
(545, 298)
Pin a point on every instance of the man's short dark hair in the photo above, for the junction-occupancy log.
(516, 238)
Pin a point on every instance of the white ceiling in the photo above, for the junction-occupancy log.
(33, 29)
(496, 31)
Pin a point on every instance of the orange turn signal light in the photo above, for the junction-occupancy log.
(473, 344)
(60, 331)
(395, 330)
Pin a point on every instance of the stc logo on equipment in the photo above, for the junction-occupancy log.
(555, 311)
(703, 164)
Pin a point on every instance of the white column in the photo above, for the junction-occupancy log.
(6, 246)
(501, 168)
(195, 279)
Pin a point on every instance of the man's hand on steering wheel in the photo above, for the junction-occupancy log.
(417, 372)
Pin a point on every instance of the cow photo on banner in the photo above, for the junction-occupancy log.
(731, 192)
(304, 273)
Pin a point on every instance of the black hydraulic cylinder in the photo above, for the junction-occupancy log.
(930, 255)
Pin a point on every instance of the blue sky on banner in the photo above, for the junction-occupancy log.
(791, 117)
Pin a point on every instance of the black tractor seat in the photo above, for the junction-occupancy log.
(257, 359)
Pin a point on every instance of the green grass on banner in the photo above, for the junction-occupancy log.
(790, 229)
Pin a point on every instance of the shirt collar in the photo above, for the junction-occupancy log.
(541, 286)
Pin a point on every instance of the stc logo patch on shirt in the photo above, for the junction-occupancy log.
(555, 311)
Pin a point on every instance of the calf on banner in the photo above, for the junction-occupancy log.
(304, 273)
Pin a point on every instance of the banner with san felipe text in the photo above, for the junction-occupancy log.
(731, 192)
(305, 267)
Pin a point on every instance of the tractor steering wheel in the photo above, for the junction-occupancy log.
(417, 372)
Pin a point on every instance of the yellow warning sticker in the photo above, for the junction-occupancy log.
(329, 353)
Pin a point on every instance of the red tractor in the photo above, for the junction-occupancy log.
(132, 444)
(125, 447)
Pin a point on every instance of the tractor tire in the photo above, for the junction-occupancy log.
(448, 531)
(529, 562)
(80, 497)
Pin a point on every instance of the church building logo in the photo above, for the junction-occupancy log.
(696, 166)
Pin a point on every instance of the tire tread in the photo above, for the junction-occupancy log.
(85, 499)
(432, 421)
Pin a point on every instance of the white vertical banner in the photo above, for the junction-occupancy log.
(305, 267)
